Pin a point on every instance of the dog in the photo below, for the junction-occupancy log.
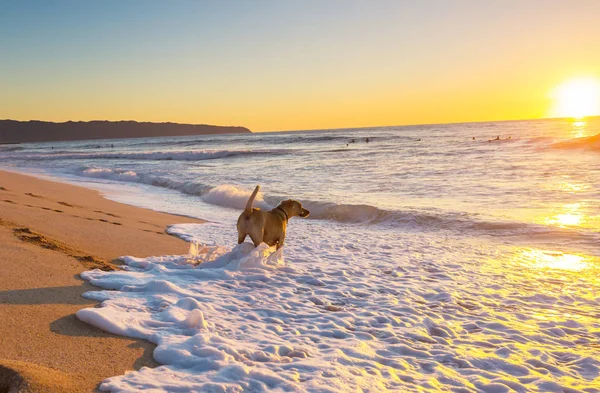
(267, 227)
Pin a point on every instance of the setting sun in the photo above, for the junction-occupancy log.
(577, 98)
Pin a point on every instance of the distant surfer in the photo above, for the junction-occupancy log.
(367, 140)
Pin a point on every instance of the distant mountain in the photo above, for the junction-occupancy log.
(12, 131)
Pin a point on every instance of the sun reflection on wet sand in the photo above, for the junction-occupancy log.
(555, 260)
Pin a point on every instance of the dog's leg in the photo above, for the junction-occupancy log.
(280, 241)
(257, 236)
(241, 237)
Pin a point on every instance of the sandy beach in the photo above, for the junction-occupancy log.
(49, 233)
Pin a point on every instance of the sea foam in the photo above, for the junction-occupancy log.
(350, 317)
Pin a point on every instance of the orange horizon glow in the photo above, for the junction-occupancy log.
(366, 124)
(574, 98)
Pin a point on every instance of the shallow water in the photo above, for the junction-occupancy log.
(445, 264)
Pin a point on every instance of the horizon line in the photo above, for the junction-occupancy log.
(310, 129)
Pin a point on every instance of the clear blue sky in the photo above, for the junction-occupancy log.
(283, 64)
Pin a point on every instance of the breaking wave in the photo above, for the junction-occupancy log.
(235, 197)
(586, 143)
(7, 148)
(195, 155)
(223, 195)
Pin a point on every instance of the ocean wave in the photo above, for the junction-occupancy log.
(223, 195)
(367, 214)
(452, 222)
(7, 148)
(591, 143)
(246, 139)
(538, 140)
(235, 197)
(196, 155)
(321, 138)
(135, 143)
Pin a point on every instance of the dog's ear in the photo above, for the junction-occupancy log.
(304, 213)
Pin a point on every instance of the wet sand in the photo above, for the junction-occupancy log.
(49, 233)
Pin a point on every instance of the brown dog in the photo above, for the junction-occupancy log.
(268, 227)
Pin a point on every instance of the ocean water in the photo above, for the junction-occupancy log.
(434, 259)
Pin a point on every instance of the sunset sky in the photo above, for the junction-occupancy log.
(289, 65)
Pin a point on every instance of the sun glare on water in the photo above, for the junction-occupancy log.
(568, 216)
(577, 98)
(555, 260)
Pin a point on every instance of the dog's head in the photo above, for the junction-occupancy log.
(294, 208)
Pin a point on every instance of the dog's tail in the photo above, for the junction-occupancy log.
(248, 208)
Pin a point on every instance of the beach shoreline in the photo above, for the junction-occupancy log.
(49, 233)
(399, 277)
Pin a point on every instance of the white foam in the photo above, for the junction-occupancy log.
(225, 195)
(341, 313)
(233, 196)
(113, 174)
